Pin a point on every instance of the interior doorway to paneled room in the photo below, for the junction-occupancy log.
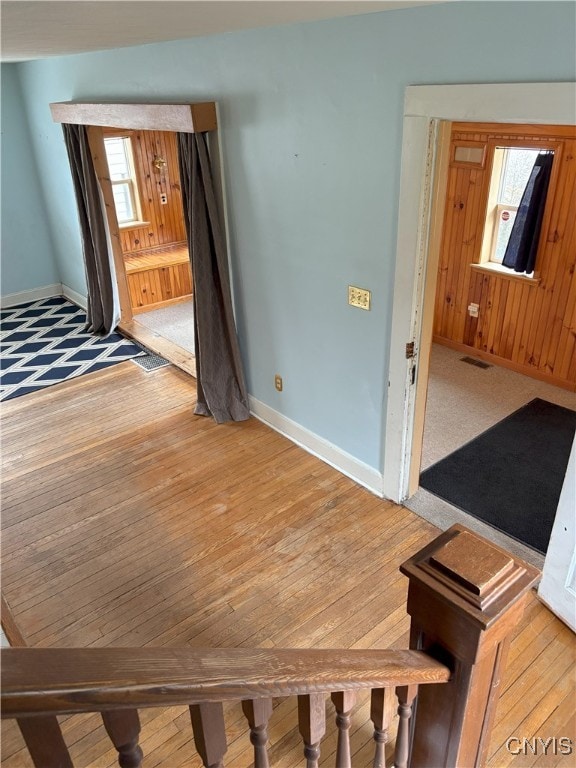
(428, 115)
(138, 176)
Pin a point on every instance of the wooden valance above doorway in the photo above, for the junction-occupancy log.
(182, 118)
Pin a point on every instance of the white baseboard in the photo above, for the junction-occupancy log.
(22, 297)
(75, 297)
(356, 470)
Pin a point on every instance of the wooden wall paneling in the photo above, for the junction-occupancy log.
(160, 284)
(475, 296)
(512, 307)
(165, 223)
(156, 286)
(514, 131)
(523, 324)
(462, 276)
(560, 230)
(165, 285)
(180, 281)
(459, 211)
(444, 259)
(458, 214)
(491, 315)
(144, 288)
(546, 267)
(152, 145)
(566, 353)
(472, 243)
(186, 278)
(495, 341)
(519, 334)
(571, 351)
(484, 314)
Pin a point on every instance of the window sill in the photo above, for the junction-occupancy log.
(133, 225)
(507, 274)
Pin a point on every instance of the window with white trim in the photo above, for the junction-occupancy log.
(515, 164)
(123, 178)
(519, 177)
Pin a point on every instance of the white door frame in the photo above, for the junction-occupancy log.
(424, 107)
(558, 586)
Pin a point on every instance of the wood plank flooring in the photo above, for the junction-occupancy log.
(127, 521)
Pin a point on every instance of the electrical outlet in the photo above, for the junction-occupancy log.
(163, 199)
(358, 297)
(473, 310)
(278, 382)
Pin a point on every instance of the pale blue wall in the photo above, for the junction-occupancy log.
(27, 259)
(311, 122)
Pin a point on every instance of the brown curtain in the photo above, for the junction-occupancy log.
(102, 312)
(221, 387)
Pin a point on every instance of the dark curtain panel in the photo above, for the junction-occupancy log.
(101, 312)
(522, 246)
(221, 388)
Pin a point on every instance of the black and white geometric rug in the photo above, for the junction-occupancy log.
(44, 342)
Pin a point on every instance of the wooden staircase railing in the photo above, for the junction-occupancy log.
(465, 597)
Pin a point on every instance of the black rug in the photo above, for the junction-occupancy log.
(511, 475)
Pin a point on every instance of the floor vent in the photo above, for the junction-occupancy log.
(470, 361)
(150, 362)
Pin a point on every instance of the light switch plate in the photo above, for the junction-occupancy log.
(358, 297)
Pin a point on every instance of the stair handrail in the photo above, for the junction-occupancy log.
(465, 598)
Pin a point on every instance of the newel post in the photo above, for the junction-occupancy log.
(465, 597)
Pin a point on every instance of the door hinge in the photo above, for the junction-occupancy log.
(409, 350)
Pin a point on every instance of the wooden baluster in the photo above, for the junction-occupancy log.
(123, 727)
(209, 733)
(382, 705)
(257, 712)
(406, 695)
(45, 742)
(312, 725)
(343, 702)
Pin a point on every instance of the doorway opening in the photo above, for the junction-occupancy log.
(510, 324)
(427, 112)
(144, 175)
(447, 303)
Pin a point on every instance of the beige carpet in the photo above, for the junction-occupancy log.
(174, 322)
(464, 401)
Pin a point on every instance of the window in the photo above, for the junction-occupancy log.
(123, 178)
(512, 184)
(516, 165)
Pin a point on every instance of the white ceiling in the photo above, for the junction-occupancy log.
(43, 28)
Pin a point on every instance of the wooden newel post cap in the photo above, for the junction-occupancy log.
(465, 598)
(468, 577)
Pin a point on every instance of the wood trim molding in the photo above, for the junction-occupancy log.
(425, 343)
(521, 129)
(96, 144)
(185, 118)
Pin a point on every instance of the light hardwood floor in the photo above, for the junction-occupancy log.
(129, 521)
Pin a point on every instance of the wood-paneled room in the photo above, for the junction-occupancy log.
(146, 185)
(523, 321)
